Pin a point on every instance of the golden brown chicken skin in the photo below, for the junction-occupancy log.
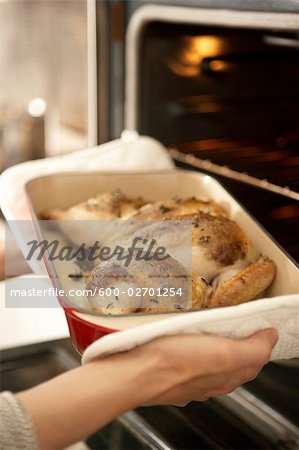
(107, 206)
(176, 207)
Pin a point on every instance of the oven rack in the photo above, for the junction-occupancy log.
(207, 165)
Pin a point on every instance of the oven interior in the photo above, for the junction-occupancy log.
(230, 96)
(226, 87)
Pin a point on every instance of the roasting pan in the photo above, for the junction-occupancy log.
(64, 190)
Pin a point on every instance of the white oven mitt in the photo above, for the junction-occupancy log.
(239, 321)
(130, 152)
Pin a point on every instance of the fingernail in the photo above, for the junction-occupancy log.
(272, 336)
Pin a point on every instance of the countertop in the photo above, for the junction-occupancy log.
(23, 326)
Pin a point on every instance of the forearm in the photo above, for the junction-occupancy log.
(77, 403)
(166, 370)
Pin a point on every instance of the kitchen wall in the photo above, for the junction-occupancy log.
(43, 53)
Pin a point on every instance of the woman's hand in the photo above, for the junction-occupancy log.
(175, 369)
(200, 367)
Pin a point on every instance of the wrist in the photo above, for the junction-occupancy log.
(153, 373)
(135, 374)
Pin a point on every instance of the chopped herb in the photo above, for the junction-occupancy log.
(204, 239)
(176, 306)
(177, 199)
(164, 209)
(75, 276)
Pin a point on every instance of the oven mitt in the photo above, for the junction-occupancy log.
(130, 152)
(238, 321)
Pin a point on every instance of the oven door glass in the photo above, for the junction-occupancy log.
(200, 82)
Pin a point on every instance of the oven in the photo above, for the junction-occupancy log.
(220, 88)
(218, 83)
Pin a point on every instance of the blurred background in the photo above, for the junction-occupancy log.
(43, 78)
(43, 83)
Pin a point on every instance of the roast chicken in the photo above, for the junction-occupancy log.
(226, 267)
(110, 205)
